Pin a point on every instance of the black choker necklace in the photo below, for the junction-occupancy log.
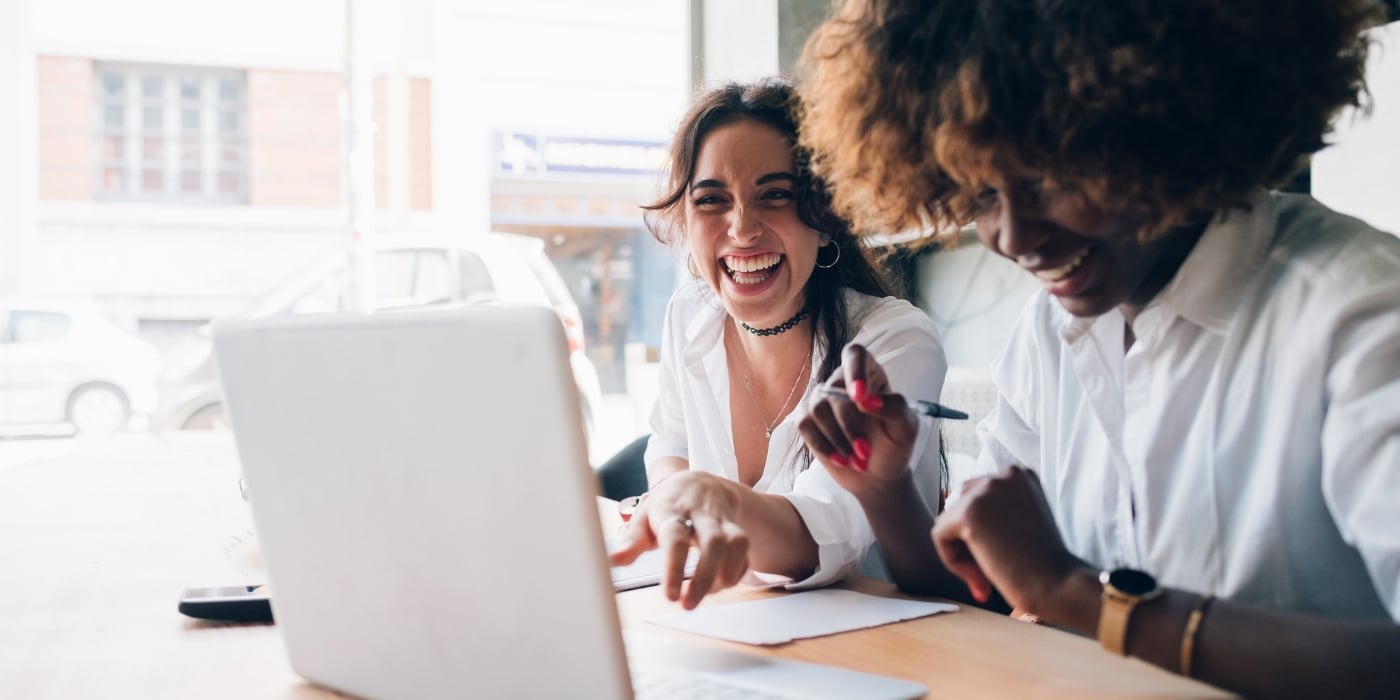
(783, 327)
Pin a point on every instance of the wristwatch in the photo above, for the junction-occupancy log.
(1123, 591)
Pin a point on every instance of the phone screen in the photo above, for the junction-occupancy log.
(226, 593)
(230, 603)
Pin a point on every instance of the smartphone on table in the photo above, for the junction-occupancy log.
(228, 603)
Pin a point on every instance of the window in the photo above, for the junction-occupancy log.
(36, 326)
(171, 134)
(475, 278)
(411, 278)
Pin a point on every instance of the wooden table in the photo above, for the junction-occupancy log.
(95, 548)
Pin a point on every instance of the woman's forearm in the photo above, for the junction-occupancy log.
(900, 521)
(1249, 649)
(664, 467)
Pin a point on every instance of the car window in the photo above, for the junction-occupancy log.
(36, 326)
(549, 277)
(475, 280)
(411, 278)
(327, 294)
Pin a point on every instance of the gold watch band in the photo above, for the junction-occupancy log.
(1114, 616)
(1123, 591)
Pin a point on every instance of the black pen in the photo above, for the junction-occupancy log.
(928, 408)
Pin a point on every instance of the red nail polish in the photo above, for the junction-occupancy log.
(873, 403)
(858, 389)
(839, 460)
(862, 448)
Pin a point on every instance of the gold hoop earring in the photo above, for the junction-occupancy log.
(831, 264)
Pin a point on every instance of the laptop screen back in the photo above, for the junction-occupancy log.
(420, 487)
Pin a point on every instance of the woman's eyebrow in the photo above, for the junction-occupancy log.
(771, 177)
(702, 184)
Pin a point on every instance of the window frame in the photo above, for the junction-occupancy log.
(211, 138)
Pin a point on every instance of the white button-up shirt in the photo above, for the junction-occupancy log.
(1248, 444)
(691, 419)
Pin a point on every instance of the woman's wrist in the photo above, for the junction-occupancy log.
(1073, 601)
(876, 495)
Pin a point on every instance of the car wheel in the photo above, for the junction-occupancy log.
(211, 417)
(98, 409)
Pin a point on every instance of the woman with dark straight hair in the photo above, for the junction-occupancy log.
(780, 285)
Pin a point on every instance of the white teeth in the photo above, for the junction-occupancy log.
(1058, 273)
(753, 263)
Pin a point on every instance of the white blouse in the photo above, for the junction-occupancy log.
(691, 419)
(1248, 444)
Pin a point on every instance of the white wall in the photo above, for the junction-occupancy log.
(1360, 174)
(974, 298)
(741, 40)
(18, 135)
(610, 68)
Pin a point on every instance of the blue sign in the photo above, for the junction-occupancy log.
(538, 155)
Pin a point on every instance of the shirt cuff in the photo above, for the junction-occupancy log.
(841, 542)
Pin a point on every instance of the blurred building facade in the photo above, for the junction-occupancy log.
(187, 156)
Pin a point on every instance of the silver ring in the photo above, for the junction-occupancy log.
(684, 522)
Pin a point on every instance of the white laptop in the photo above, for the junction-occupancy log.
(420, 486)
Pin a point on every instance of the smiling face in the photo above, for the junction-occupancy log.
(1089, 259)
(742, 227)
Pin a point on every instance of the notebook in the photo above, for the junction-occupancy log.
(420, 486)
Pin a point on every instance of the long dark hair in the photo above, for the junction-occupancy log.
(773, 102)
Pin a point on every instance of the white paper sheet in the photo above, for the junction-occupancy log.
(646, 570)
(798, 616)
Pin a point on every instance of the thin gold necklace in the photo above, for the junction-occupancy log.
(748, 387)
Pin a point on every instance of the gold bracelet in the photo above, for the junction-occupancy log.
(1188, 638)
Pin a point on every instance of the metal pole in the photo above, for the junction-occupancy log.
(358, 160)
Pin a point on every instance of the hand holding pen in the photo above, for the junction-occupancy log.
(857, 426)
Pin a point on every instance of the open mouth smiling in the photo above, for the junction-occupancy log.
(751, 269)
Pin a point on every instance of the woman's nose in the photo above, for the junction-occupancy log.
(1019, 232)
(744, 224)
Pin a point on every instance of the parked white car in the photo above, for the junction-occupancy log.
(404, 272)
(64, 362)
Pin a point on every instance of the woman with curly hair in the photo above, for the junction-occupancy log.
(1206, 391)
(780, 285)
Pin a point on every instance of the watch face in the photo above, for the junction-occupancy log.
(1132, 581)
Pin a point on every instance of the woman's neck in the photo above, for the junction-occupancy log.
(774, 353)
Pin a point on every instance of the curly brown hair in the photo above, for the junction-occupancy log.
(1163, 110)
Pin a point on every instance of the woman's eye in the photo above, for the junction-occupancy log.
(986, 198)
(777, 195)
(708, 200)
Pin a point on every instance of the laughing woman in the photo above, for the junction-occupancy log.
(781, 285)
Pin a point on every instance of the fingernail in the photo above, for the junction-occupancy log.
(858, 389)
(873, 403)
(839, 460)
(980, 594)
(862, 448)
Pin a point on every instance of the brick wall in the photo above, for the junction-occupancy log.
(420, 144)
(65, 119)
(293, 138)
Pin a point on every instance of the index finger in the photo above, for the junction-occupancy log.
(864, 376)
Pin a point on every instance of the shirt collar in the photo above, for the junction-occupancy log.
(1208, 287)
(705, 332)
